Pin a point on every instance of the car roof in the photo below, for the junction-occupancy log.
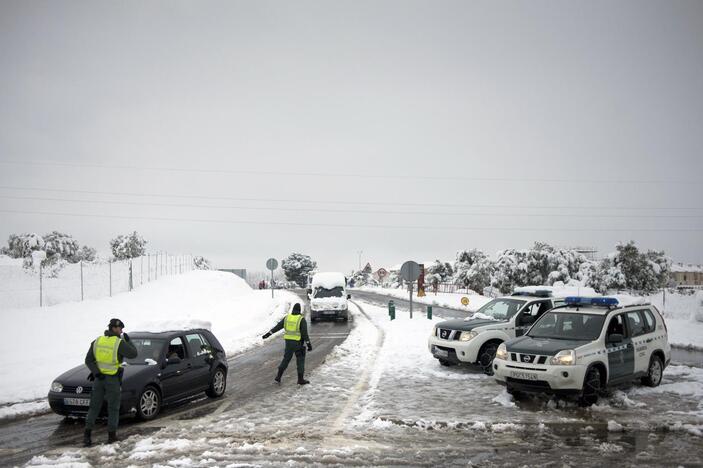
(167, 333)
(585, 309)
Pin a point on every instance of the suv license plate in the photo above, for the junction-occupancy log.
(441, 353)
(330, 312)
(76, 401)
(523, 375)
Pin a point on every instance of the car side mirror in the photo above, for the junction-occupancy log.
(348, 296)
(615, 338)
(173, 360)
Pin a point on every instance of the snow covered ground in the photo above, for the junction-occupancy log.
(222, 302)
(450, 300)
(381, 399)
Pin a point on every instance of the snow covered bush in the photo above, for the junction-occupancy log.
(201, 263)
(22, 245)
(60, 249)
(297, 267)
(129, 246)
(473, 269)
(364, 277)
(628, 268)
(438, 272)
(510, 270)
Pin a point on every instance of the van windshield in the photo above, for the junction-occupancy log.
(321, 292)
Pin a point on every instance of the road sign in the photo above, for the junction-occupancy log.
(410, 271)
(271, 264)
(382, 273)
(465, 301)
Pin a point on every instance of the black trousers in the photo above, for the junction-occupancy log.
(297, 348)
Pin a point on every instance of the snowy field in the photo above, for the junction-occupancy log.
(222, 302)
(381, 399)
(450, 300)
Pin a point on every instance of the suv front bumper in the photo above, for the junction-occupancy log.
(332, 314)
(461, 351)
(539, 378)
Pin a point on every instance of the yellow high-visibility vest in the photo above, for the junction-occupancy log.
(292, 327)
(105, 352)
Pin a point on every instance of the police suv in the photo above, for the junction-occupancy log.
(583, 347)
(475, 339)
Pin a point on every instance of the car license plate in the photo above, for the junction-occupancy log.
(523, 375)
(76, 401)
(330, 312)
(441, 353)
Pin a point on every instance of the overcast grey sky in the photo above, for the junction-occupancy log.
(496, 124)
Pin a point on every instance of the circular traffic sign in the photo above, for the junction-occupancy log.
(271, 264)
(464, 301)
(410, 271)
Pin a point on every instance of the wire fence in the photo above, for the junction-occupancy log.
(26, 287)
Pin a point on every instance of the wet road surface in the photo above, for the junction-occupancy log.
(250, 375)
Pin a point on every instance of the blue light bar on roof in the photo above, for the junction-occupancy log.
(593, 301)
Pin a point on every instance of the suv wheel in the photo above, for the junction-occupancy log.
(218, 384)
(486, 356)
(654, 372)
(591, 387)
(149, 404)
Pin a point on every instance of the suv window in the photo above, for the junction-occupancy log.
(635, 323)
(196, 344)
(532, 312)
(176, 348)
(616, 326)
(650, 322)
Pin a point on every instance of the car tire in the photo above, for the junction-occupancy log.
(218, 383)
(654, 372)
(149, 403)
(517, 396)
(591, 388)
(486, 356)
(446, 363)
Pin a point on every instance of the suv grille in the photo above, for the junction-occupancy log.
(528, 358)
(447, 334)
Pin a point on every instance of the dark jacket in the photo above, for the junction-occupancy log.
(125, 350)
(304, 337)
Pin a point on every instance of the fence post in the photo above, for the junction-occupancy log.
(41, 301)
(148, 267)
(156, 266)
(110, 267)
(141, 270)
(81, 280)
(130, 274)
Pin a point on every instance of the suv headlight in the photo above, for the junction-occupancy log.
(502, 352)
(56, 387)
(566, 357)
(466, 336)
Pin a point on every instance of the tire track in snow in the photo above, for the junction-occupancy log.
(362, 383)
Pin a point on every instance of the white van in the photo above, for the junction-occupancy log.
(328, 296)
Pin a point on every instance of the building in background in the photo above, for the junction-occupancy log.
(686, 274)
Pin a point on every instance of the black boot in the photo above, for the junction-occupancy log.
(87, 440)
(278, 376)
(112, 437)
(301, 380)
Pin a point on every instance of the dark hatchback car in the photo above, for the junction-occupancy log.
(170, 366)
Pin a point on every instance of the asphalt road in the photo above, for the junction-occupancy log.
(250, 374)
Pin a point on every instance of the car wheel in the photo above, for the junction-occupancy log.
(218, 383)
(591, 387)
(149, 403)
(515, 394)
(486, 356)
(446, 363)
(654, 373)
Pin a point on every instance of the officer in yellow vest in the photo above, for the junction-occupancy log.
(103, 359)
(296, 337)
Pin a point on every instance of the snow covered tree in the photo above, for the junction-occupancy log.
(22, 245)
(510, 270)
(628, 268)
(201, 263)
(297, 267)
(364, 277)
(86, 254)
(58, 245)
(473, 269)
(128, 246)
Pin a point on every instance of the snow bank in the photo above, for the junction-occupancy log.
(220, 301)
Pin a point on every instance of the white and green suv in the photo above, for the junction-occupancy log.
(475, 339)
(585, 346)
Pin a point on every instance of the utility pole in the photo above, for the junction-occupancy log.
(360, 252)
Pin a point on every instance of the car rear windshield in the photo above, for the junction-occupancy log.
(334, 292)
(147, 348)
(568, 326)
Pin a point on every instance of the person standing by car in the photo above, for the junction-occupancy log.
(103, 359)
(296, 333)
